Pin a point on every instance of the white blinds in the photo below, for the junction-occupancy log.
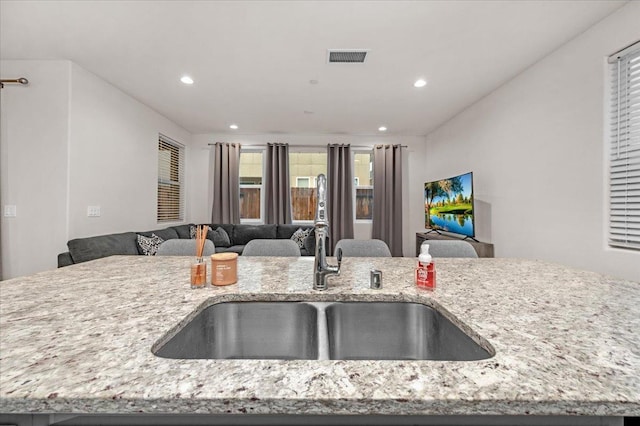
(624, 226)
(170, 180)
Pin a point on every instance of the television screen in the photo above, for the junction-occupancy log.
(448, 205)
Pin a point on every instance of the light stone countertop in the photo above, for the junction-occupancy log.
(78, 340)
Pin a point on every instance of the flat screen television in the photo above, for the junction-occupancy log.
(448, 205)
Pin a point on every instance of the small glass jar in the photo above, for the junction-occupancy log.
(199, 273)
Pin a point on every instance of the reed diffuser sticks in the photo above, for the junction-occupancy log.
(201, 237)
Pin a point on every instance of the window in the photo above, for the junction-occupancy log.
(302, 182)
(251, 166)
(624, 165)
(170, 180)
(304, 167)
(363, 183)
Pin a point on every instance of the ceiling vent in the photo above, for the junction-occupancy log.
(347, 56)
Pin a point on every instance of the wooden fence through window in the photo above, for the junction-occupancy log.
(303, 203)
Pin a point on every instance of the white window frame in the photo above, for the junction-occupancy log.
(162, 139)
(624, 149)
(260, 220)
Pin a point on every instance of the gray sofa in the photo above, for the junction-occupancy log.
(90, 248)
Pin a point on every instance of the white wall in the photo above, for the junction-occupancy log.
(113, 157)
(536, 148)
(70, 140)
(199, 179)
(34, 148)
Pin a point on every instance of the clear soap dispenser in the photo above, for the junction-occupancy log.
(426, 270)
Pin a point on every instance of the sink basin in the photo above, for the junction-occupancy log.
(248, 330)
(322, 330)
(396, 331)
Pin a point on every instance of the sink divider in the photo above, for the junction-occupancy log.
(323, 335)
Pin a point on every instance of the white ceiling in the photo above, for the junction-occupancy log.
(252, 60)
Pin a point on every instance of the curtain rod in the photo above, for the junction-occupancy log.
(20, 80)
(310, 146)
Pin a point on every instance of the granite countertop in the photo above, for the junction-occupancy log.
(78, 340)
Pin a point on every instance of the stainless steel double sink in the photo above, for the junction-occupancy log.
(323, 330)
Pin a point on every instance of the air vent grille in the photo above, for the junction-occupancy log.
(351, 56)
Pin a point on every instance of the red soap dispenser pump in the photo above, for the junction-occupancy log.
(426, 270)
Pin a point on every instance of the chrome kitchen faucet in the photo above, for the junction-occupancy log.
(321, 223)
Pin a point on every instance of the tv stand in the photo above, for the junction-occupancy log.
(467, 238)
(483, 249)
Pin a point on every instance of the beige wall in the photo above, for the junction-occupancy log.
(251, 165)
(306, 164)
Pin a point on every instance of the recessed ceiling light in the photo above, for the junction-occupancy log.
(186, 79)
(420, 83)
(382, 129)
(233, 126)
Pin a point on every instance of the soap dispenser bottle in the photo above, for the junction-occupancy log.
(426, 270)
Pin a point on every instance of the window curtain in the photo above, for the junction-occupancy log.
(339, 194)
(225, 159)
(277, 192)
(387, 196)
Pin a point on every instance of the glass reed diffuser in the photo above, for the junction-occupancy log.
(199, 267)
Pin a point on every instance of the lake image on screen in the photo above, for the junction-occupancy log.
(449, 205)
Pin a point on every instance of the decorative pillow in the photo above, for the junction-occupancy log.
(310, 242)
(219, 237)
(149, 245)
(300, 235)
(192, 231)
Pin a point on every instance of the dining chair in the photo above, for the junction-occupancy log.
(271, 247)
(450, 248)
(184, 247)
(363, 248)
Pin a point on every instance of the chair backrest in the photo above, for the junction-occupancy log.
(451, 248)
(184, 247)
(271, 247)
(363, 248)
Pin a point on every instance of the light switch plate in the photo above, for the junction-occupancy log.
(10, 211)
(93, 211)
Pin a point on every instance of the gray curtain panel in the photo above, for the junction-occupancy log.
(387, 196)
(277, 192)
(339, 194)
(225, 160)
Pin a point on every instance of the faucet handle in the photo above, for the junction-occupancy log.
(375, 279)
(339, 257)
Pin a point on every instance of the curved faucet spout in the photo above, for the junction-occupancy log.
(321, 269)
(321, 218)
